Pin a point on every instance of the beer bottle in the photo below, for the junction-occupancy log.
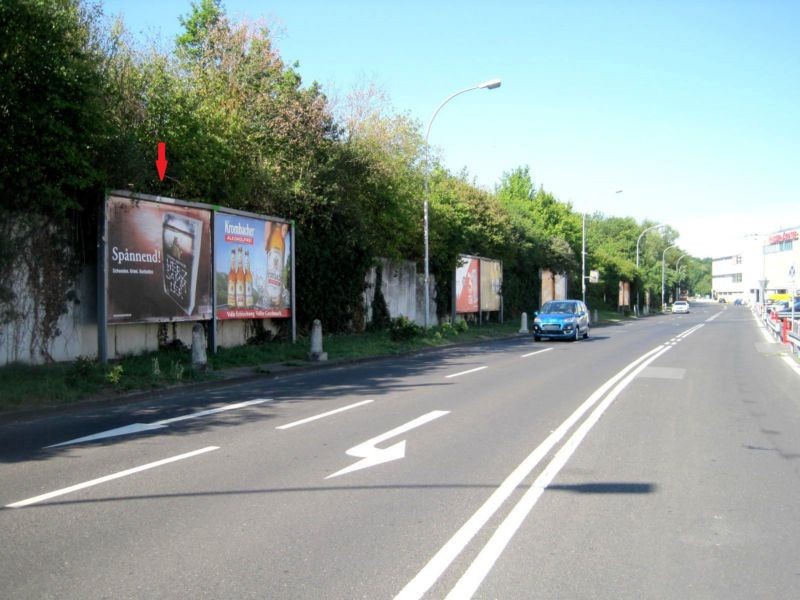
(248, 281)
(275, 249)
(240, 279)
(232, 281)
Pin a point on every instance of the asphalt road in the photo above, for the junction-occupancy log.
(658, 459)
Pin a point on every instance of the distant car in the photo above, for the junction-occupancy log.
(680, 306)
(786, 311)
(779, 306)
(564, 319)
(738, 302)
(722, 301)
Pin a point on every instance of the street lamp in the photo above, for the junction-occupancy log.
(638, 291)
(486, 85)
(663, 277)
(583, 255)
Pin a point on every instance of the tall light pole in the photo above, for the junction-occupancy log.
(639, 239)
(486, 85)
(663, 277)
(583, 255)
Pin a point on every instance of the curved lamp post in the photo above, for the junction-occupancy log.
(639, 239)
(486, 85)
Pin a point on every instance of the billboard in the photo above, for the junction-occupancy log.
(624, 294)
(158, 261)
(491, 275)
(553, 285)
(252, 267)
(467, 284)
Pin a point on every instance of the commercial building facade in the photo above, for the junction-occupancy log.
(762, 266)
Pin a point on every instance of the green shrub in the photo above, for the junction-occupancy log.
(461, 326)
(114, 374)
(380, 311)
(403, 330)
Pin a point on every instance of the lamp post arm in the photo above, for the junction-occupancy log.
(445, 101)
(639, 239)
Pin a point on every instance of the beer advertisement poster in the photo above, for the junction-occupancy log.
(467, 284)
(253, 262)
(158, 260)
(491, 272)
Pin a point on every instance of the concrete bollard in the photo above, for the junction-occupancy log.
(316, 353)
(595, 316)
(199, 358)
(523, 327)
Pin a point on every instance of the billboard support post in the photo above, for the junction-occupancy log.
(453, 293)
(102, 288)
(212, 330)
(294, 305)
(502, 298)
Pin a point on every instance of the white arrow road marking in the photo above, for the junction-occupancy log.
(371, 456)
(86, 484)
(139, 427)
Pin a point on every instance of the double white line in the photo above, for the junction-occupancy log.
(485, 560)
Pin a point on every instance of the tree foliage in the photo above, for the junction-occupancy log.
(82, 109)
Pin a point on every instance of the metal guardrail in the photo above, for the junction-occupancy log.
(776, 328)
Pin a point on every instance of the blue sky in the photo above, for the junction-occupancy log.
(691, 107)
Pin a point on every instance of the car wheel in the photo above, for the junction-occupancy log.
(586, 335)
(577, 333)
(537, 338)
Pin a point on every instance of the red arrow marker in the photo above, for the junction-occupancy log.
(161, 163)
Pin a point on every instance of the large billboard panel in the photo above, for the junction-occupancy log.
(624, 293)
(253, 262)
(467, 284)
(491, 272)
(158, 261)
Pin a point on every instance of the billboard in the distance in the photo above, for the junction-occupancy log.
(491, 272)
(467, 284)
(252, 270)
(158, 261)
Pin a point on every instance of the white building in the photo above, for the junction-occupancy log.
(765, 262)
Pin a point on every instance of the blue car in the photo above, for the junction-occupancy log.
(565, 319)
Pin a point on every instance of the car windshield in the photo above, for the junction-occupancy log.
(559, 307)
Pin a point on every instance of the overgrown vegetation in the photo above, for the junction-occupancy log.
(82, 109)
(24, 386)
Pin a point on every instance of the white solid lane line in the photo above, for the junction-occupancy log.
(86, 484)
(537, 352)
(431, 572)
(323, 415)
(465, 372)
(483, 563)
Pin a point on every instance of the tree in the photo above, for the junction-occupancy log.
(52, 125)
